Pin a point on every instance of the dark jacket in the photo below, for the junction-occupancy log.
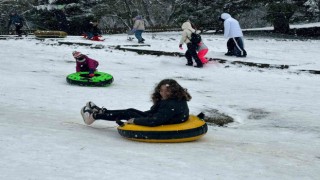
(91, 28)
(15, 20)
(170, 111)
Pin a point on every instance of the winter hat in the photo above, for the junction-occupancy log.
(138, 17)
(78, 55)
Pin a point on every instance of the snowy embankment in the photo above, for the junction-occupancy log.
(275, 134)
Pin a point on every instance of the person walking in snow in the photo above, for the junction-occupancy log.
(17, 21)
(169, 107)
(138, 28)
(232, 30)
(192, 48)
(84, 63)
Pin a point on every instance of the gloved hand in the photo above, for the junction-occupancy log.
(91, 71)
(130, 121)
(180, 46)
(91, 75)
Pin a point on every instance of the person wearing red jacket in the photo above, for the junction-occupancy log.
(84, 63)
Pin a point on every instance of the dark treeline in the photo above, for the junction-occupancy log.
(71, 15)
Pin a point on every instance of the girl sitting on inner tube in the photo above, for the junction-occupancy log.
(169, 107)
(85, 64)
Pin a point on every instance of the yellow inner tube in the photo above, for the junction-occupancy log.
(48, 34)
(190, 130)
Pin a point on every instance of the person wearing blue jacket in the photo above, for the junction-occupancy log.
(169, 107)
(16, 20)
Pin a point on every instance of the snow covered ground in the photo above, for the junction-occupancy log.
(276, 133)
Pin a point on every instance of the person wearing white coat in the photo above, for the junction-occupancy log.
(192, 48)
(232, 30)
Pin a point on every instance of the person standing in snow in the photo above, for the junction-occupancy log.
(169, 107)
(138, 28)
(62, 20)
(192, 48)
(202, 51)
(232, 30)
(17, 21)
(84, 63)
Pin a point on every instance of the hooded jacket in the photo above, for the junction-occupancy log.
(186, 33)
(138, 23)
(231, 26)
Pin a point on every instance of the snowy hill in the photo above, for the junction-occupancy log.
(275, 134)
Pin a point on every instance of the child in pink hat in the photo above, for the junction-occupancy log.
(84, 63)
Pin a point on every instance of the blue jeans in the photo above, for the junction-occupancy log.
(138, 34)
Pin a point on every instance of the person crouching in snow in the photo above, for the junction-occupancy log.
(202, 51)
(233, 32)
(85, 64)
(169, 107)
(192, 48)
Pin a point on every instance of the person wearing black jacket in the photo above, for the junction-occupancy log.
(92, 30)
(169, 107)
(16, 20)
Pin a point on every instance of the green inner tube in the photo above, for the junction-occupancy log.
(83, 79)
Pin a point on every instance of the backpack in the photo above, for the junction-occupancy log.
(195, 38)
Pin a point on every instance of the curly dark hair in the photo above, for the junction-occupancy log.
(177, 92)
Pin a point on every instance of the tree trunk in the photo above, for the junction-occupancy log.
(147, 14)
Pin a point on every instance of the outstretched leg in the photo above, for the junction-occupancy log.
(113, 115)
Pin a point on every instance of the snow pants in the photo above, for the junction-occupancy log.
(192, 53)
(18, 29)
(236, 47)
(201, 55)
(125, 114)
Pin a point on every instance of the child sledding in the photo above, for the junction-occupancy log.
(92, 32)
(86, 72)
(85, 64)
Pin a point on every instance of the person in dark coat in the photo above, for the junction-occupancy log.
(17, 21)
(169, 107)
(62, 20)
(85, 64)
(92, 31)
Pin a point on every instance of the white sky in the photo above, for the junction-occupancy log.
(275, 136)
